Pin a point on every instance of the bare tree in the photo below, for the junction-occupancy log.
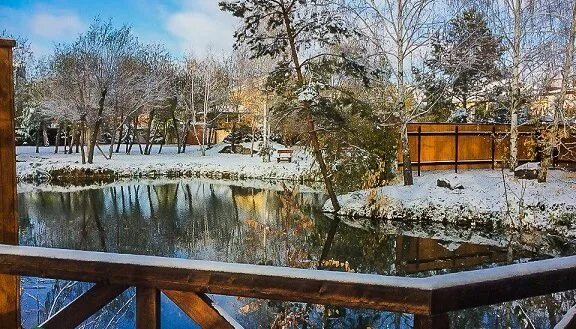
(522, 25)
(101, 51)
(565, 14)
(398, 32)
(142, 84)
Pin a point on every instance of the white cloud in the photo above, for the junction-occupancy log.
(55, 25)
(202, 27)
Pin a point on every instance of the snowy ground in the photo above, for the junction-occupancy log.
(44, 166)
(487, 198)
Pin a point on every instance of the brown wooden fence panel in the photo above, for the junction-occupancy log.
(443, 146)
(9, 285)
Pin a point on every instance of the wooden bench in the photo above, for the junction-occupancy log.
(285, 155)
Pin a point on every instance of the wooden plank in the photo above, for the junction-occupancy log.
(409, 295)
(568, 321)
(200, 308)
(426, 296)
(84, 307)
(432, 322)
(419, 150)
(147, 308)
(458, 291)
(9, 285)
(456, 149)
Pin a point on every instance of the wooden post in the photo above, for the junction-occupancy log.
(147, 308)
(456, 153)
(493, 146)
(432, 321)
(419, 149)
(9, 284)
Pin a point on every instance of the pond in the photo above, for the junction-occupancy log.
(264, 223)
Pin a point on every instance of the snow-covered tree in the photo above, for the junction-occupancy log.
(396, 33)
(297, 34)
(466, 60)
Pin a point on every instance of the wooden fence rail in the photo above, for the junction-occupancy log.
(186, 282)
(441, 146)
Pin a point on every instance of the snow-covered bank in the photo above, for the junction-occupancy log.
(486, 198)
(47, 166)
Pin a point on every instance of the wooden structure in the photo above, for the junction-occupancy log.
(187, 281)
(285, 155)
(438, 146)
(9, 285)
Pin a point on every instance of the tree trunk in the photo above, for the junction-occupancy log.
(82, 139)
(99, 119)
(79, 137)
(406, 160)
(185, 137)
(72, 138)
(553, 138)
(112, 140)
(310, 120)
(38, 132)
(515, 104)
(45, 140)
(233, 142)
(57, 139)
(66, 138)
(149, 132)
(174, 103)
(164, 137)
(253, 137)
(266, 132)
(120, 134)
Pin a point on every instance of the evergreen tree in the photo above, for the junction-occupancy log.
(465, 61)
(297, 33)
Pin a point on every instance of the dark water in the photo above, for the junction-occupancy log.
(271, 225)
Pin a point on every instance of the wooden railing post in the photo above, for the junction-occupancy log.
(440, 321)
(9, 284)
(493, 150)
(456, 150)
(419, 150)
(147, 308)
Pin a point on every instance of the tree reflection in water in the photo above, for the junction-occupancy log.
(275, 225)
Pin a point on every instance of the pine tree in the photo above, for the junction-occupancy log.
(465, 59)
(286, 30)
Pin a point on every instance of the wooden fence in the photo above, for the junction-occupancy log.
(438, 146)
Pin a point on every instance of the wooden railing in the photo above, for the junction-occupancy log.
(186, 282)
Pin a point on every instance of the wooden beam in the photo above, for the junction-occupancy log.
(408, 295)
(432, 322)
(458, 291)
(9, 285)
(568, 321)
(426, 296)
(147, 308)
(84, 307)
(201, 309)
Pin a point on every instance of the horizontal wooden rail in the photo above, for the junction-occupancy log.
(410, 295)
(429, 298)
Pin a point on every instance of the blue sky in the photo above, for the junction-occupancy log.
(183, 26)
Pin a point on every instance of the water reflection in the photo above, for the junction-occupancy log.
(272, 224)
